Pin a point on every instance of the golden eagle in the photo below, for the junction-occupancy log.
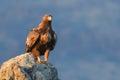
(42, 39)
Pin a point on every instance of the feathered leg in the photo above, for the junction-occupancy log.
(38, 59)
(36, 54)
(46, 55)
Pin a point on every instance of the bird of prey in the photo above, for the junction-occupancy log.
(42, 39)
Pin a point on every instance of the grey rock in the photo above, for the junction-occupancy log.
(25, 67)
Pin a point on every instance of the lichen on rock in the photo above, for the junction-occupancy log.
(25, 67)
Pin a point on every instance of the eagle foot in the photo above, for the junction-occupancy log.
(42, 61)
(39, 60)
(45, 62)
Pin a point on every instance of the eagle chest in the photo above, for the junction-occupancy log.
(45, 38)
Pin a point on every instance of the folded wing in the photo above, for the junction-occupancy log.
(32, 40)
(53, 41)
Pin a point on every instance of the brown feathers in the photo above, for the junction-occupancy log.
(42, 39)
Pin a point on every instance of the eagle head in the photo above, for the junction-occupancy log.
(47, 17)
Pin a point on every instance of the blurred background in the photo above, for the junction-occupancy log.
(88, 46)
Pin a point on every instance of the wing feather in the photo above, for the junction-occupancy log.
(53, 41)
(32, 39)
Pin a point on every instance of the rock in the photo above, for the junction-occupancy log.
(25, 67)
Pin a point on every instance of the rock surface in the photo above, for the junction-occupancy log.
(25, 67)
